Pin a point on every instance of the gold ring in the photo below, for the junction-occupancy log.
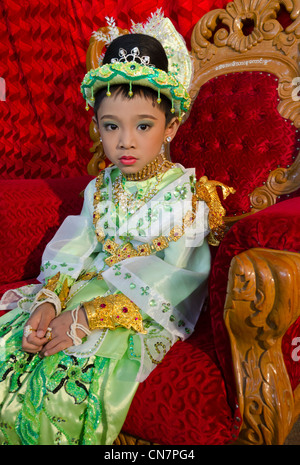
(48, 334)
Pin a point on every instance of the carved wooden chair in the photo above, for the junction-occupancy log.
(236, 379)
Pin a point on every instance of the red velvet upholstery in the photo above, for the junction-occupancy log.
(31, 212)
(184, 401)
(236, 135)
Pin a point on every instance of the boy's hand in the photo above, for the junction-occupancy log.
(60, 326)
(39, 321)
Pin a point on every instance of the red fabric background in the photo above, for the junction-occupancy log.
(184, 400)
(43, 44)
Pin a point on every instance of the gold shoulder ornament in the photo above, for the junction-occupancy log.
(206, 190)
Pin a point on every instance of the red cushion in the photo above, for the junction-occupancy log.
(236, 135)
(276, 227)
(184, 400)
(31, 212)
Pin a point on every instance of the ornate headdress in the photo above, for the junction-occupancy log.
(132, 68)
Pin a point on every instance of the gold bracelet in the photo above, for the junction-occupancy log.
(112, 312)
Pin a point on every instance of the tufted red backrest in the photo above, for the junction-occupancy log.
(236, 135)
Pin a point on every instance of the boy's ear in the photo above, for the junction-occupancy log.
(172, 128)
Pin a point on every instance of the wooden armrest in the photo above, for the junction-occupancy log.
(263, 300)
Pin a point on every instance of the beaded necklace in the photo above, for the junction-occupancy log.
(131, 202)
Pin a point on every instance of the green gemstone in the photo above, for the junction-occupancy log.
(132, 286)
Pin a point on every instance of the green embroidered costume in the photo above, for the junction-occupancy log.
(156, 257)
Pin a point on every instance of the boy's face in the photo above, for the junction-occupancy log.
(132, 131)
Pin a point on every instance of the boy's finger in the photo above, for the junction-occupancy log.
(43, 326)
(36, 341)
(53, 347)
(31, 348)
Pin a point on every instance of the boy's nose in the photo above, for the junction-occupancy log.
(126, 140)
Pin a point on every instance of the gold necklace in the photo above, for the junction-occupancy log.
(151, 169)
(131, 202)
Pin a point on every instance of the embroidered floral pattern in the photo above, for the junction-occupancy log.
(73, 374)
(78, 378)
(16, 367)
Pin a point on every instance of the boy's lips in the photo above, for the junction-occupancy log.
(127, 160)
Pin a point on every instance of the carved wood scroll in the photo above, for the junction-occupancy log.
(263, 300)
(281, 181)
(222, 44)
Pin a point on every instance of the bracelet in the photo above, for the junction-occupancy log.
(46, 296)
(112, 312)
(74, 326)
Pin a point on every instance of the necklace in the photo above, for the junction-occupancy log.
(131, 202)
(149, 170)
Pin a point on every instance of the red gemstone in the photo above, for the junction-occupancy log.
(102, 305)
(125, 309)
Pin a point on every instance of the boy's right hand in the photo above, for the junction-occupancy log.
(39, 321)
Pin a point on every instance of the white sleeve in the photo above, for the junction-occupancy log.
(70, 249)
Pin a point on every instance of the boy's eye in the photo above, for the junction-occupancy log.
(110, 126)
(143, 126)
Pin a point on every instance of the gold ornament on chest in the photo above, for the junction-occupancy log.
(121, 252)
(126, 250)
